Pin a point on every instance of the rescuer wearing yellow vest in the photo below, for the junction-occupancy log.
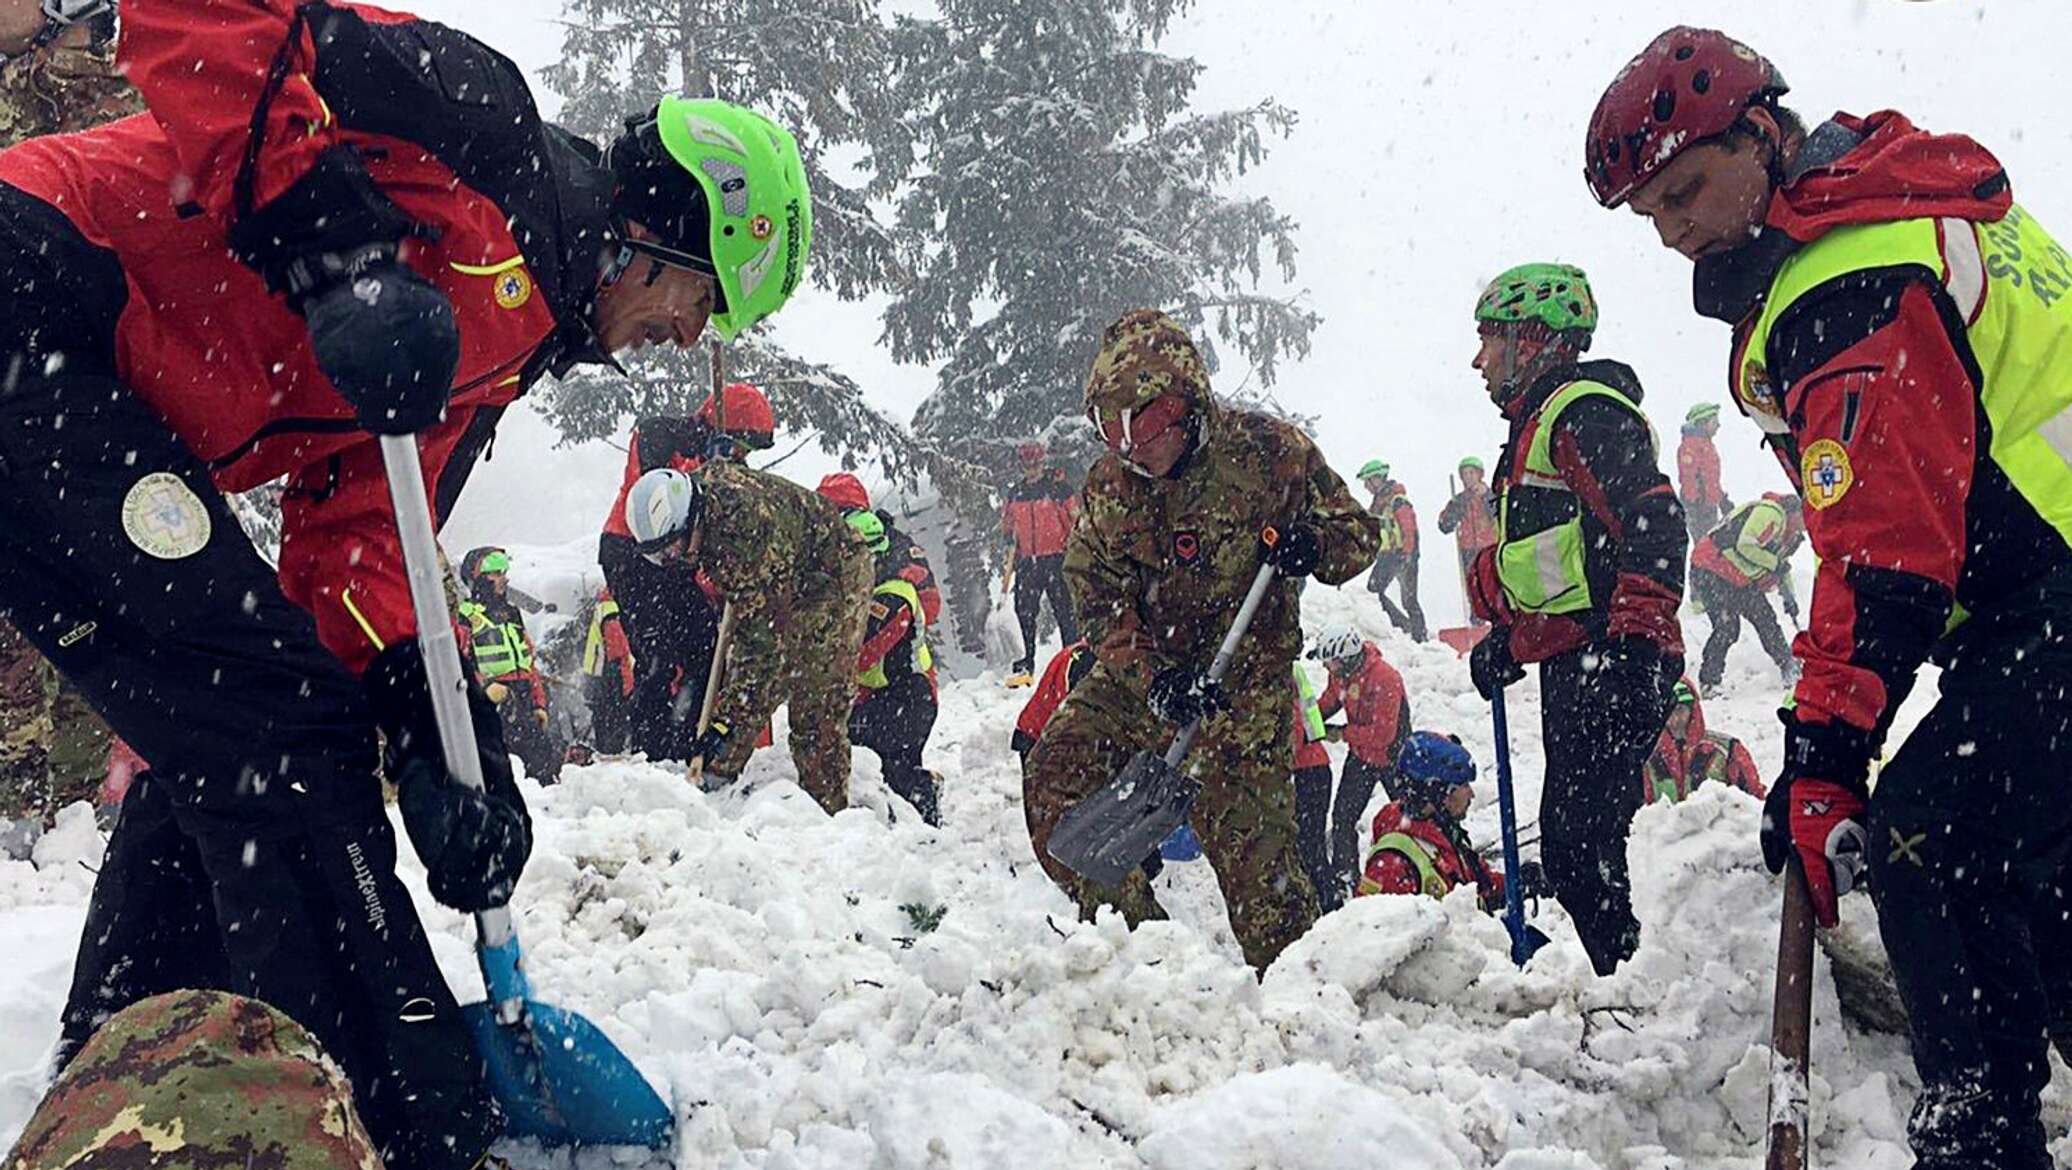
(1585, 579)
(1734, 568)
(895, 673)
(1902, 337)
(503, 657)
(609, 679)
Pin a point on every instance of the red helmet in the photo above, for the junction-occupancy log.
(1031, 454)
(845, 490)
(1691, 84)
(746, 414)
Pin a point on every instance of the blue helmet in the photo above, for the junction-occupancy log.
(1432, 764)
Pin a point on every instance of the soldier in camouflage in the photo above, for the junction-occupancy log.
(192, 1080)
(798, 579)
(1170, 538)
(58, 76)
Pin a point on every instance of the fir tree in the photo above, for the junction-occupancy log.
(1063, 180)
(823, 69)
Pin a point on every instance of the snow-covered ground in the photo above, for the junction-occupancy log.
(775, 972)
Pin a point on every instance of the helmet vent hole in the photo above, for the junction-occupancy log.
(1685, 52)
(1702, 82)
(1665, 105)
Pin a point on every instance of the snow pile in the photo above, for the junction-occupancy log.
(863, 991)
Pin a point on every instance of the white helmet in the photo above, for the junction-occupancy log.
(1336, 641)
(661, 506)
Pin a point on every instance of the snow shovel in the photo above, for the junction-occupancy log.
(1791, 1026)
(1103, 837)
(1525, 937)
(558, 1079)
(710, 704)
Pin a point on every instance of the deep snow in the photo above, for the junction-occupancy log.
(770, 969)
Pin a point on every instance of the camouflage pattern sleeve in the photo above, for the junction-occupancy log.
(1348, 537)
(1105, 582)
(59, 90)
(749, 552)
(193, 1080)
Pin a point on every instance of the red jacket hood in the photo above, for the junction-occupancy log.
(1898, 171)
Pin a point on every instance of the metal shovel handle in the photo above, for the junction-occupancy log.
(441, 654)
(1261, 582)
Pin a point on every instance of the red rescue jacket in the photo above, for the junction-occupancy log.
(1038, 515)
(658, 442)
(1377, 713)
(1453, 861)
(1697, 472)
(1683, 761)
(1060, 675)
(510, 215)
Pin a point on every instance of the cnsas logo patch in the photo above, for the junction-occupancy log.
(1825, 475)
(513, 288)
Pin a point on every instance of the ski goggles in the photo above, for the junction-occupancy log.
(1124, 430)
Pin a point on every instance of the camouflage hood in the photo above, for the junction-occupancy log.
(1146, 354)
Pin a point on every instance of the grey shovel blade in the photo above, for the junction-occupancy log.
(1105, 836)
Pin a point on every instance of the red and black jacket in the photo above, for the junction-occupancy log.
(1634, 541)
(907, 560)
(1064, 671)
(1880, 361)
(658, 441)
(376, 125)
(1038, 515)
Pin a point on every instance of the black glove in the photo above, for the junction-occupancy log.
(473, 844)
(1532, 880)
(1293, 551)
(710, 744)
(386, 338)
(1180, 695)
(1490, 664)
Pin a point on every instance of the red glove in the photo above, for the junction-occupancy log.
(1823, 820)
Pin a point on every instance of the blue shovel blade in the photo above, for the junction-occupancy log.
(572, 1087)
(1183, 845)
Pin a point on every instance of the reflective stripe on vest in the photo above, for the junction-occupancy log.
(1391, 528)
(923, 659)
(1420, 856)
(1544, 572)
(1757, 541)
(2012, 285)
(500, 649)
(1312, 713)
(593, 645)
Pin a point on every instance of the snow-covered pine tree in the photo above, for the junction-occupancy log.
(824, 69)
(1063, 180)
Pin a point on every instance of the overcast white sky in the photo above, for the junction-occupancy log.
(1439, 143)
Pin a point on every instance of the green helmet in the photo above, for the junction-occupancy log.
(1468, 461)
(1555, 295)
(1703, 412)
(1372, 468)
(756, 223)
(871, 527)
(498, 561)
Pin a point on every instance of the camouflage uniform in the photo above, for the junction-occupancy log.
(799, 579)
(1157, 568)
(195, 1079)
(53, 747)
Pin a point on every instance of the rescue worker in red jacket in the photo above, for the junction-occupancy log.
(1734, 568)
(608, 674)
(848, 493)
(1037, 518)
(1362, 686)
(1698, 485)
(1307, 735)
(895, 670)
(1396, 563)
(1902, 337)
(1419, 845)
(670, 612)
(494, 638)
(1585, 579)
(335, 221)
(1688, 755)
(1471, 517)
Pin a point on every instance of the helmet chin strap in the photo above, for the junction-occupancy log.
(1518, 377)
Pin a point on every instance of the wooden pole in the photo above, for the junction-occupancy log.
(1791, 1028)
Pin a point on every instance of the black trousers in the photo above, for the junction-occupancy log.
(1726, 607)
(1036, 578)
(894, 722)
(1598, 722)
(539, 749)
(610, 710)
(258, 857)
(1312, 835)
(1970, 840)
(674, 629)
(1399, 569)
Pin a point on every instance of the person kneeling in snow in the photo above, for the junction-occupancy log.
(1687, 755)
(1419, 844)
